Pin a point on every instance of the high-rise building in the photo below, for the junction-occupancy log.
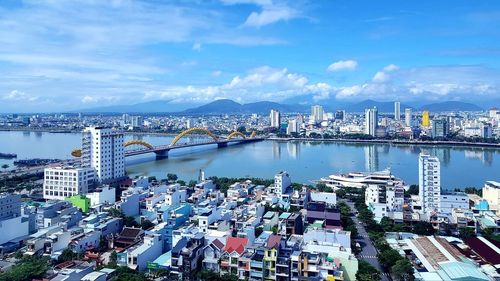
(317, 113)
(10, 206)
(397, 110)
(425, 119)
(440, 128)
(189, 123)
(408, 117)
(62, 182)
(371, 121)
(137, 121)
(103, 150)
(429, 180)
(339, 115)
(275, 118)
(293, 126)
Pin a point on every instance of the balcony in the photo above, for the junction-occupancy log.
(256, 264)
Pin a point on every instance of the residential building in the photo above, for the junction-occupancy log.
(371, 121)
(62, 182)
(408, 117)
(385, 200)
(429, 180)
(317, 113)
(103, 150)
(397, 110)
(491, 192)
(275, 118)
(12, 224)
(453, 200)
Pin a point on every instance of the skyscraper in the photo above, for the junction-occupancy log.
(317, 113)
(275, 118)
(397, 110)
(425, 119)
(440, 128)
(103, 150)
(408, 117)
(429, 182)
(371, 121)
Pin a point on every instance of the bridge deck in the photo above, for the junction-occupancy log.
(168, 147)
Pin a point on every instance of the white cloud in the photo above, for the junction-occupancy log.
(19, 96)
(271, 15)
(216, 73)
(196, 47)
(380, 77)
(391, 67)
(343, 65)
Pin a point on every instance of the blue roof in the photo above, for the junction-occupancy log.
(461, 271)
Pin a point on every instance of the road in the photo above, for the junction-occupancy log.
(368, 251)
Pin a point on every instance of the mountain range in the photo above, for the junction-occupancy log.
(226, 106)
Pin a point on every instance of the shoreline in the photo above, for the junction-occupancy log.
(394, 142)
(338, 140)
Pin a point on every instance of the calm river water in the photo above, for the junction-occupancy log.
(305, 161)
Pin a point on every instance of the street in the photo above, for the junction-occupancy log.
(368, 251)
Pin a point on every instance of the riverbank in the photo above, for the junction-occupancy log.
(395, 142)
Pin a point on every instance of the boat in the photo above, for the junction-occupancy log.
(359, 179)
(8, 155)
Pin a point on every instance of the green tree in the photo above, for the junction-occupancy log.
(171, 177)
(146, 224)
(403, 270)
(413, 190)
(389, 257)
(423, 228)
(113, 258)
(67, 255)
(29, 267)
(366, 272)
(466, 232)
(321, 186)
(181, 182)
(192, 183)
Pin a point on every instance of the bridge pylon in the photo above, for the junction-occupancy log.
(221, 144)
(162, 154)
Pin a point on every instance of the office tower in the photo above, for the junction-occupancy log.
(440, 128)
(371, 121)
(408, 117)
(397, 110)
(293, 126)
(425, 119)
(339, 115)
(429, 180)
(62, 182)
(103, 150)
(137, 121)
(317, 113)
(275, 118)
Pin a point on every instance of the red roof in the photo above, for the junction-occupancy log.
(482, 249)
(273, 241)
(236, 244)
(217, 243)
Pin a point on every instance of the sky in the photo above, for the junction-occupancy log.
(67, 55)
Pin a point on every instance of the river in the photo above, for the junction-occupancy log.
(305, 161)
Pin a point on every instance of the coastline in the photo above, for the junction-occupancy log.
(337, 140)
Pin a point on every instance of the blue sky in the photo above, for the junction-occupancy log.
(64, 55)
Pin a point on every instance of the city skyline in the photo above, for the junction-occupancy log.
(67, 56)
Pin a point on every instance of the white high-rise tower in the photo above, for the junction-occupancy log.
(317, 113)
(429, 182)
(408, 117)
(103, 150)
(275, 118)
(397, 110)
(371, 121)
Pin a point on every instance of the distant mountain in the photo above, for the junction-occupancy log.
(383, 107)
(226, 106)
(451, 106)
(157, 106)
